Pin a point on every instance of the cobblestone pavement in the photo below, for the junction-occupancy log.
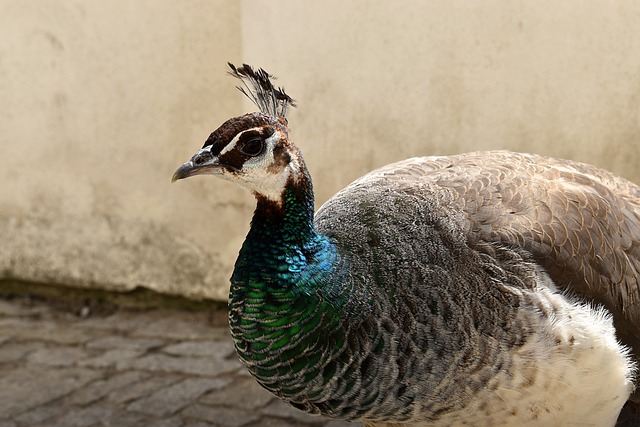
(164, 368)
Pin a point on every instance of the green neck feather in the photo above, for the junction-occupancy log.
(285, 290)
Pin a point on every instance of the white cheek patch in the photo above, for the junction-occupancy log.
(261, 178)
(268, 184)
(260, 174)
(267, 159)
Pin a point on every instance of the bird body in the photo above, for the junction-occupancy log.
(480, 289)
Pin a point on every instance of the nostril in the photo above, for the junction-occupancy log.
(202, 158)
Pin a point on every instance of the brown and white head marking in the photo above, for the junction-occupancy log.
(252, 150)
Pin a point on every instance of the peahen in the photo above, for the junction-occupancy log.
(481, 289)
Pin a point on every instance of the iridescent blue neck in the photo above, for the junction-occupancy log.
(290, 302)
(281, 237)
(283, 252)
(283, 272)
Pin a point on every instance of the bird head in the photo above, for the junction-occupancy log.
(252, 150)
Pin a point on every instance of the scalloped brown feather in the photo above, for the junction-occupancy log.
(581, 223)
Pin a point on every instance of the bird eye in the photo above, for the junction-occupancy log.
(253, 147)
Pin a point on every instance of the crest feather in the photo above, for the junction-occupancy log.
(257, 86)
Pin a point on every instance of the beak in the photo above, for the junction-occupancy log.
(202, 163)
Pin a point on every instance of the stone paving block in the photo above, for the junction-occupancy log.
(16, 322)
(15, 351)
(123, 321)
(23, 389)
(339, 423)
(227, 417)
(141, 389)
(98, 389)
(112, 323)
(157, 368)
(120, 357)
(156, 324)
(187, 365)
(8, 332)
(120, 342)
(121, 418)
(171, 399)
(253, 395)
(40, 414)
(17, 309)
(32, 330)
(10, 309)
(56, 356)
(222, 349)
(169, 422)
(221, 334)
(244, 373)
(84, 417)
(174, 328)
(280, 409)
(274, 422)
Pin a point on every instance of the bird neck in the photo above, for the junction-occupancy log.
(282, 253)
(286, 288)
(288, 221)
(281, 231)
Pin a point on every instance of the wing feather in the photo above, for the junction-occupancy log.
(581, 223)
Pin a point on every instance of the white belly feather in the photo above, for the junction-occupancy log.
(572, 372)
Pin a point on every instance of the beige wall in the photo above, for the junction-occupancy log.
(101, 101)
(379, 81)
